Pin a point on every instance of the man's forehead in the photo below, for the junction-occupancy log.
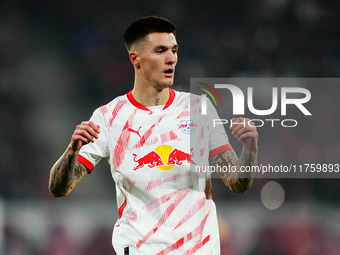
(155, 39)
(161, 39)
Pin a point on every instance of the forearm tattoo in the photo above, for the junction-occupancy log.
(65, 174)
(237, 181)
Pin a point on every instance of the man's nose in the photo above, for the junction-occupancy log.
(171, 58)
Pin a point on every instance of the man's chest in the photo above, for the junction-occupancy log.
(159, 143)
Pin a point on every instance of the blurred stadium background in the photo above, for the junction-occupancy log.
(59, 60)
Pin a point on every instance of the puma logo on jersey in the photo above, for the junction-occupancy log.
(134, 131)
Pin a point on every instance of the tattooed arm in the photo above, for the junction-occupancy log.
(67, 172)
(238, 181)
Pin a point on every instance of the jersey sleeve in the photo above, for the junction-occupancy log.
(91, 153)
(218, 139)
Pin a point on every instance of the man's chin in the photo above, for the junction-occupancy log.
(167, 84)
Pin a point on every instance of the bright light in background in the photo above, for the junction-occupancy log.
(272, 195)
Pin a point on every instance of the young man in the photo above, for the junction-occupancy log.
(164, 206)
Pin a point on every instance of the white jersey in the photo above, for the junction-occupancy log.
(164, 207)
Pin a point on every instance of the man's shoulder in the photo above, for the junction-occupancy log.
(181, 93)
(187, 96)
(185, 93)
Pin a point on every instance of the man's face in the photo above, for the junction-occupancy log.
(157, 59)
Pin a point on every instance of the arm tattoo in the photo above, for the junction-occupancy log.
(237, 181)
(65, 175)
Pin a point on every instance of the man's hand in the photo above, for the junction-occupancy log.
(67, 172)
(239, 181)
(84, 133)
(245, 132)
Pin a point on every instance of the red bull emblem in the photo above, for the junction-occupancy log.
(187, 126)
(177, 157)
(164, 157)
(151, 159)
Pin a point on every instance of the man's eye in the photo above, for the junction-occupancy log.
(160, 51)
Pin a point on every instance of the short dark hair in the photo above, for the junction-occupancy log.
(146, 25)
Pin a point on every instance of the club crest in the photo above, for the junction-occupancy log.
(187, 126)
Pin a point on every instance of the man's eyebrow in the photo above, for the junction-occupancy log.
(163, 47)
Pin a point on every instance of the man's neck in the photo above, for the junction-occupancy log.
(150, 96)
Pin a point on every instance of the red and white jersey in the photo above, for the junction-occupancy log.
(165, 207)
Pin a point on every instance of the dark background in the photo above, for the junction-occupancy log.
(59, 60)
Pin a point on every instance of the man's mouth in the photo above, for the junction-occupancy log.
(169, 72)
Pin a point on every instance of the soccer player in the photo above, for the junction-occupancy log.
(164, 206)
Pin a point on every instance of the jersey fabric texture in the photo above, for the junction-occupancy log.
(164, 205)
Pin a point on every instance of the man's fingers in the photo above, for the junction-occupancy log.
(86, 134)
(243, 128)
(242, 131)
(92, 129)
(238, 124)
(80, 138)
(95, 127)
(236, 129)
(248, 134)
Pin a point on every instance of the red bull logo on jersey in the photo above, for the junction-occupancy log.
(151, 159)
(164, 157)
(187, 126)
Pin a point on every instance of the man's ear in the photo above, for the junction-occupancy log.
(134, 58)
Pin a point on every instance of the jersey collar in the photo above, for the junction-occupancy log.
(142, 107)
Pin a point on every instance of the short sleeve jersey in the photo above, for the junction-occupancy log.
(164, 207)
